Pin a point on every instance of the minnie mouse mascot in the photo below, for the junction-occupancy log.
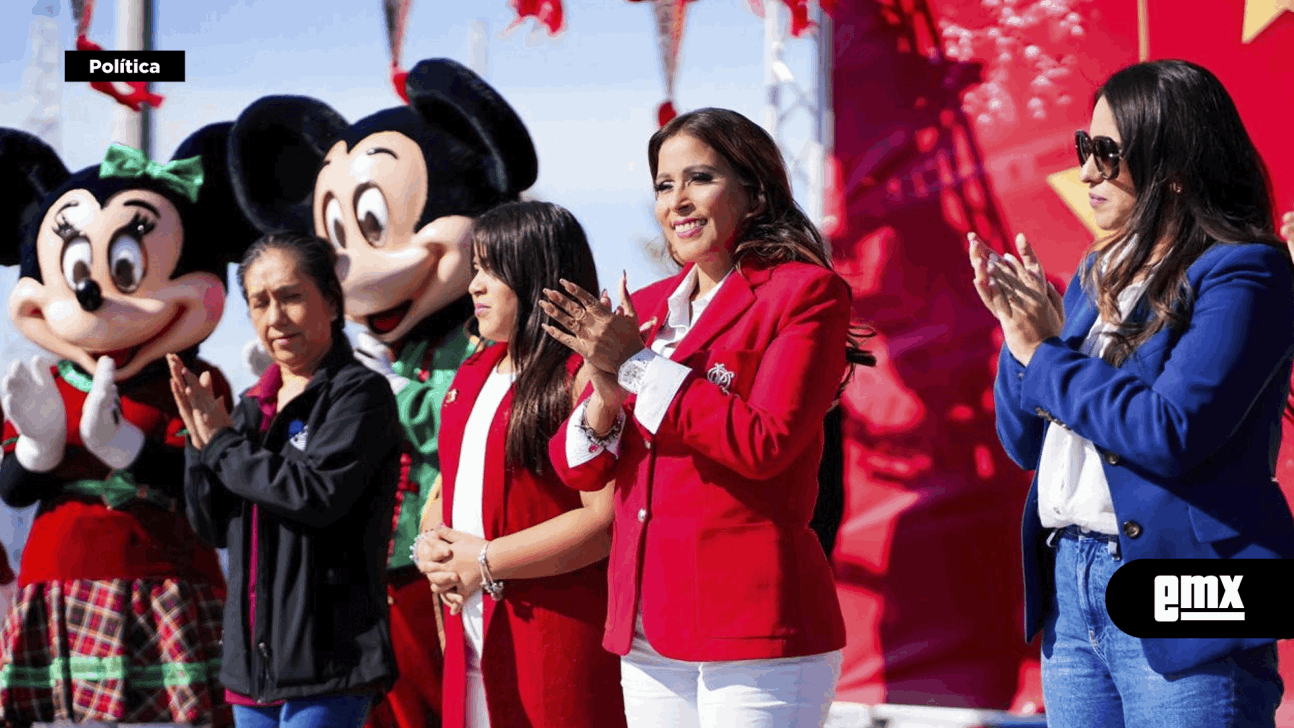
(118, 613)
(396, 192)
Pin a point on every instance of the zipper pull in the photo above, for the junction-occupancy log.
(265, 650)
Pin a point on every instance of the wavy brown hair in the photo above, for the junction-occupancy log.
(1199, 182)
(777, 231)
(529, 246)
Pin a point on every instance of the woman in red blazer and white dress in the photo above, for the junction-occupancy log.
(722, 601)
(529, 656)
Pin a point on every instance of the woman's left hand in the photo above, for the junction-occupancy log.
(604, 338)
(460, 573)
(1017, 292)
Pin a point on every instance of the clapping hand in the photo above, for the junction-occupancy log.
(604, 338)
(106, 434)
(1017, 292)
(32, 403)
(202, 412)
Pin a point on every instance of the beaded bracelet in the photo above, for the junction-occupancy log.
(603, 440)
(413, 547)
(488, 584)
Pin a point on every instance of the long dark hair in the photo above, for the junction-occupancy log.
(317, 260)
(529, 246)
(778, 231)
(1199, 181)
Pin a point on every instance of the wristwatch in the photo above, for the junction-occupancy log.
(634, 371)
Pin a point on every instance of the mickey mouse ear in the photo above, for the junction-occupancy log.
(220, 231)
(275, 150)
(30, 170)
(448, 94)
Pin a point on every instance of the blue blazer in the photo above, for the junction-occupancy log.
(1188, 429)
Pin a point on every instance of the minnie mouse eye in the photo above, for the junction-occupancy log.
(76, 262)
(126, 261)
(333, 222)
(370, 210)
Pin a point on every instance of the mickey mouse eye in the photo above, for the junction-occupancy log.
(370, 210)
(334, 223)
(126, 261)
(76, 262)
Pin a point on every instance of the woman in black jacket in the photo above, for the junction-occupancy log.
(299, 484)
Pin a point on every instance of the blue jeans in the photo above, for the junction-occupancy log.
(331, 711)
(1095, 676)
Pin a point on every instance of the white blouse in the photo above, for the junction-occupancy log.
(1072, 489)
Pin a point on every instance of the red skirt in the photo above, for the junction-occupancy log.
(116, 651)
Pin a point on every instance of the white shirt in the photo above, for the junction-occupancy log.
(663, 376)
(1072, 488)
(469, 487)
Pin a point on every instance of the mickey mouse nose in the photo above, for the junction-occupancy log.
(89, 295)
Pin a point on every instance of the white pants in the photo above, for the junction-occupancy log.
(476, 714)
(788, 692)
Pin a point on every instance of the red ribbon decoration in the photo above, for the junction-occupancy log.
(547, 12)
(396, 15)
(139, 93)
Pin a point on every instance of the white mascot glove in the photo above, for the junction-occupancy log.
(106, 434)
(256, 358)
(373, 354)
(32, 403)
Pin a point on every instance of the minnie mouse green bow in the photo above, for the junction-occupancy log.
(182, 175)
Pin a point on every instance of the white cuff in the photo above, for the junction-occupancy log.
(124, 447)
(579, 448)
(659, 384)
(397, 382)
(38, 457)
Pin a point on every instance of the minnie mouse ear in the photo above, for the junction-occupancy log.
(30, 169)
(275, 149)
(449, 95)
(219, 232)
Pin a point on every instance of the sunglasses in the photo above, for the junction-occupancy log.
(1107, 153)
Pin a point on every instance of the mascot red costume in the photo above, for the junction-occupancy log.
(118, 613)
(396, 192)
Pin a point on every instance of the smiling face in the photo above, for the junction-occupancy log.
(367, 202)
(290, 314)
(495, 304)
(119, 256)
(1112, 199)
(699, 202)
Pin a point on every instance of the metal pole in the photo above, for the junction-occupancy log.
(480, 41)
(825, 131)
(134, 32)
(772, 53)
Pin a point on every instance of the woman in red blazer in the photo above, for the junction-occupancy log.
(529, 655)
(712, 431)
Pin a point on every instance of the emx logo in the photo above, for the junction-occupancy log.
(1201, 598)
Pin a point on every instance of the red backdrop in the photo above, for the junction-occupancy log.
(951, 115)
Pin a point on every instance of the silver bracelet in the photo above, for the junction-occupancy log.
(601, 440)
(491, 587)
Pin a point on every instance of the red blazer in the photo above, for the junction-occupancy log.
(712, 512)
(543, 665)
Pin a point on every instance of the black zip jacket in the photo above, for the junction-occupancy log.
(324, 476)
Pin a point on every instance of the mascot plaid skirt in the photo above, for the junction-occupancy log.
(116, 651)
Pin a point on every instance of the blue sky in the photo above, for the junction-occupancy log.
(588, 96)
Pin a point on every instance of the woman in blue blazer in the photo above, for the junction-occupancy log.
(1149, 401)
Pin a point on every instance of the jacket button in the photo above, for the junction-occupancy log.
(642, 515)
(1019, 375)
(1112, 458)
(1131, 529)
(390, 600)
(647, 444)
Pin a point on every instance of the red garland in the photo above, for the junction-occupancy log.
(547, 12)
(139, 93)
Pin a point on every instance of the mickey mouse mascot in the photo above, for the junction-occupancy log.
(396, 192)
(119, 608)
